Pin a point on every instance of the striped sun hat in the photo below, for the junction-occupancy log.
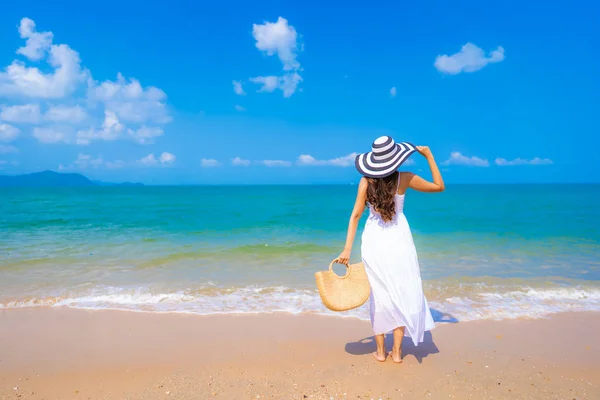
(385, 158)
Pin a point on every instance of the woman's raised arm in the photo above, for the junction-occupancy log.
(417, 183)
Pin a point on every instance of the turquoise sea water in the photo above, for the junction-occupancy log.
(486, 251)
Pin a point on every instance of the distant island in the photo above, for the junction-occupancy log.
(54, 179)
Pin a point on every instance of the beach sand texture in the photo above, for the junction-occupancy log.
(61, 353)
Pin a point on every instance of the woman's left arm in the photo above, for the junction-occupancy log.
(359, 207)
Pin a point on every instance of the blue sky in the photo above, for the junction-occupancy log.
(501, 91)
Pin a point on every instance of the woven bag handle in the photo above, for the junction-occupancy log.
(333, 272)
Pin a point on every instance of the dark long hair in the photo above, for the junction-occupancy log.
(381, 193)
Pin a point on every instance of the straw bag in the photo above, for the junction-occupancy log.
(342, 293)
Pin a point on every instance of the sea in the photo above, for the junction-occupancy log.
(485, 251)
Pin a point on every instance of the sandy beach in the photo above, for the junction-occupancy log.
(63, 353)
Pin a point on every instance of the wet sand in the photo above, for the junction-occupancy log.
(58, 353)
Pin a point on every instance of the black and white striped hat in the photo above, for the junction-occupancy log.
(384, 159)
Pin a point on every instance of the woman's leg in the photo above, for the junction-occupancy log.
(380, 353)
(397, 348)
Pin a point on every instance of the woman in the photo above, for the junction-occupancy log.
(397, 301)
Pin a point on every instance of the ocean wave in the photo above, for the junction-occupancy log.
(524, 302)
(471, 301)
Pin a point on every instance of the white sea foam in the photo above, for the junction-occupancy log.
(477, 302)
(526, 302)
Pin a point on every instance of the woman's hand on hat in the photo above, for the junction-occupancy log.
(425, 151)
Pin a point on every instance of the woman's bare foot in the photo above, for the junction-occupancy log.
(379, 356)
(396, 356)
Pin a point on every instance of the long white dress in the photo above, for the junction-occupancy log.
(392, 266)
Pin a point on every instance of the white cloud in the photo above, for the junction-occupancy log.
(115, 164)
(345, 161)
(238, 88)
(71, 96)
(130, 101)
(167, 158)
(23, 113)
(49, 135)
(281, 39)
(5, 149)
(458, 159)
(306, 159)
(6, 162)
(275, 163)
(269, 83)
(8, 133)
(393, 92)
(470, 58)
(164, 159)
(22, 81)
(149, 160)
(278, 38)
(540, 161)
(519, 161)
(145, 135)
(209, 162)
(239, 162)
(287, 83)
(37, 43)
(83, 161)
(61, 113)
(111, 130)
(239, 108)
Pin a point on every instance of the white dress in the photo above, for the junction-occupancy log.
(392, 266)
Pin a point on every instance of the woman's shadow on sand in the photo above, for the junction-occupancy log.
(367, 345)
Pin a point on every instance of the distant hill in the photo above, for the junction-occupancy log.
(53, 179)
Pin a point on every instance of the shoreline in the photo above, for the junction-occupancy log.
(468, 299)
(54, 353)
